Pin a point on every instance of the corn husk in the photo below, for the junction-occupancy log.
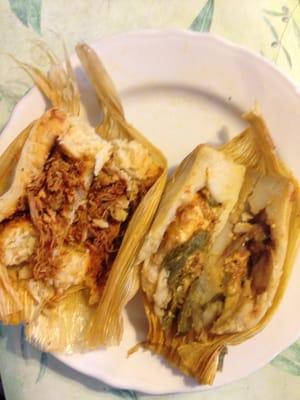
(114, 124)
(27, 309)
(201, 359)
(62, 324)
(10, 302)
(59, 85)
(10, 157)
(16, 303)
(123, 280)
(58, 325)
(69, 324)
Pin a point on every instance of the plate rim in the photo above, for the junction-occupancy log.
(293, 83)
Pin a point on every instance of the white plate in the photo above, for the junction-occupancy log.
(181, 88)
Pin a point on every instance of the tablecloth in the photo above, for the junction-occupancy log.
(269, 27)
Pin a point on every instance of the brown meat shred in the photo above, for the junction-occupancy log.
(64, 213)
(103, 252)
(260, 247)
(107, 194)
(51, 199)
(250, 256)
(104, 193)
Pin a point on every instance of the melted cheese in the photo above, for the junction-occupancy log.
(162, 294)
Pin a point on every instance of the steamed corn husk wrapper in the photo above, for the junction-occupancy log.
(59, 83)
(61, 309)
(123, 280)
(221, 284)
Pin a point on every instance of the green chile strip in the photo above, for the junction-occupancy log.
(212, 202)
(176, 259)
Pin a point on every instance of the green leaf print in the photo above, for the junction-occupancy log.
(273, 13)
(28, 12)
(289, 360)
(8, 99)
(8, 95)
(124, 394)
(272, 28)
(278, 41)
(297, 31)
(287, 55)
(202, 22)
(43, 366)
(23, 343)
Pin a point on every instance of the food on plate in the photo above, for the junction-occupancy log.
(216, 259)
(77, 202)
(73, 212)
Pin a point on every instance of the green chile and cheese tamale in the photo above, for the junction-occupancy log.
(216, 259)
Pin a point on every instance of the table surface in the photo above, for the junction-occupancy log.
(269, 27)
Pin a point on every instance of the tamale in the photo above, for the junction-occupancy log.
(213, 269)
(69, 215)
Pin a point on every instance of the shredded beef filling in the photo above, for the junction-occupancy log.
(103, 198)
(64, 212)
(51, 201)
(101, 222)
